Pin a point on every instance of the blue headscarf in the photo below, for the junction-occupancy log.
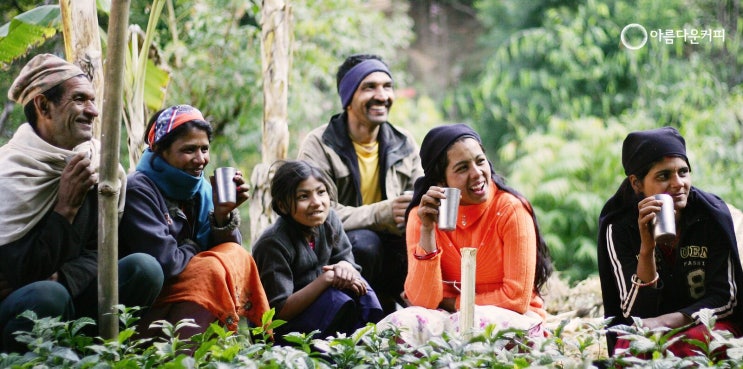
(178, 185)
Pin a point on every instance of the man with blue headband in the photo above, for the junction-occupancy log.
(372, 164)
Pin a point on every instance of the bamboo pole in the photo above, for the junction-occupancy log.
(467, 300)
(109, 185)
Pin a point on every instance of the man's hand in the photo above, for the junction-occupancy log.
(399, 205)
(77, 179)
(5, 287)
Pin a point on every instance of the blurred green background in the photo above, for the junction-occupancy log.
(549, 84)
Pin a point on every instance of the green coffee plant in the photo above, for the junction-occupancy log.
(57, 344)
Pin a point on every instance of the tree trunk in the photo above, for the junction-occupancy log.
(109, 186)
(276, 26)
(82, 43)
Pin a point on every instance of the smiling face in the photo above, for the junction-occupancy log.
(469, 171)
(189, 152)
(69, 122)
(372, 100)
(671, 175)
(311, 203)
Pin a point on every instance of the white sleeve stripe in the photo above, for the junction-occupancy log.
(615, 263)
(627, 298)
(630, 302)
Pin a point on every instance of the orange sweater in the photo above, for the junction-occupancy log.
(503, 232)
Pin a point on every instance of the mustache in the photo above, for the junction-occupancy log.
(387, 102)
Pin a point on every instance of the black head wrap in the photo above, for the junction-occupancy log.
(639, 150)
(642, 148)
(436, 143)
(438, 140)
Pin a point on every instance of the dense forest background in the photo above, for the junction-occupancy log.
(550, 85)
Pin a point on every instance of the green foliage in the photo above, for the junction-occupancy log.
(214, 49)
(553, 99)
(56, 344)
(568, 171)
(654, 344)
(559, 92)
(27, 30)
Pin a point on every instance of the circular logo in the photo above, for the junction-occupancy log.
(626, 43)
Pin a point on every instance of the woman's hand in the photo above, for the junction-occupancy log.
(428, 210)
(449, 304)
(242, 188)
(670, 320)
(646, 269)
(222, 211)
(648, 210)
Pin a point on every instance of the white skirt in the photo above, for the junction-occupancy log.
(418, 325)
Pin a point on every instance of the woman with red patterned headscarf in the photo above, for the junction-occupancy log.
(171, 214)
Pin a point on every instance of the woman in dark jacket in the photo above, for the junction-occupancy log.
(667, 283)
(171, 214)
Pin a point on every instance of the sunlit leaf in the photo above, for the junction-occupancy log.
(27, 30)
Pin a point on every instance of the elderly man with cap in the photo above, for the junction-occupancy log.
(667, 282)
(48, 202)
(373, 164)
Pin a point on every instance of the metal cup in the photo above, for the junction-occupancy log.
(664, 225)
(226, 188)
(448, 209)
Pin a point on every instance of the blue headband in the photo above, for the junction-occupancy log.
(350, 82)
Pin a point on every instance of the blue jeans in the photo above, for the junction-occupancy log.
(140, 281)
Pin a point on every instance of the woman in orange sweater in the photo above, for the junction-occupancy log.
(512, 258)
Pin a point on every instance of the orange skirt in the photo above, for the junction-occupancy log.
(225, 281)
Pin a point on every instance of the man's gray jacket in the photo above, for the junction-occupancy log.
(330, 147)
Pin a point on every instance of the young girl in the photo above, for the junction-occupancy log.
(305, 260)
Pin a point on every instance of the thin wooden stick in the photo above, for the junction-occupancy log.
(467, 301)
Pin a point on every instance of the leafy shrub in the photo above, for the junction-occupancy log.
(56, 344)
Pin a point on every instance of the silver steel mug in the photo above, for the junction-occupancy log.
(449, 209)
(226, 187)
(664, 225)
